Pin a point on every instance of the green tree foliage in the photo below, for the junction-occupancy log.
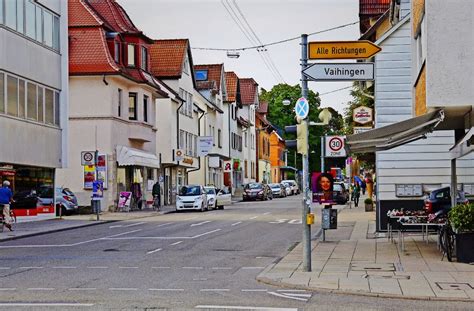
(280, 116)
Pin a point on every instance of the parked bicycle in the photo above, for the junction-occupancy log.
(447, 241)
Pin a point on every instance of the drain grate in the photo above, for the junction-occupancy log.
(454, 286)
(384, 267)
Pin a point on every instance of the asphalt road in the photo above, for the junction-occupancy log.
(175, 261)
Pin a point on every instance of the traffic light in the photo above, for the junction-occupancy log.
(301, 142)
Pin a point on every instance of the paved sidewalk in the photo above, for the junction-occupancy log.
(353, 261)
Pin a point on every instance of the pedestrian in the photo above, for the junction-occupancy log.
(6, 197)
(156, 192)
(356, 194)
(363, 186)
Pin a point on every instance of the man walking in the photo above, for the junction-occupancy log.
(6, 196)
(156, 192)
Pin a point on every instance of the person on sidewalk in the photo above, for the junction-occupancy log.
(356, 194)
(6, 197)
(156, 192)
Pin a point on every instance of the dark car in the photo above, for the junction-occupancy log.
(257, 191)
(340, 193)
(25, 200)
(440, 199)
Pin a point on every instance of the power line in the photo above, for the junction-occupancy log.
(334, 91)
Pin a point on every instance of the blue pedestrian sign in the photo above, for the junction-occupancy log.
(302, 108)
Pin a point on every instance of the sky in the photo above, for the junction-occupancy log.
(208, 24)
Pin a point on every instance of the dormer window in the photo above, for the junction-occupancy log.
(144, 59)
(201, 75)
(131, 55)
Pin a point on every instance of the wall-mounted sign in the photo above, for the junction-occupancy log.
(359, 129)
(236, 165)
(87, 158)
(227, 166)
(335, 146)
(178, 154)
(188, 160)
(204, 145)
(408, 190)
(362, 115)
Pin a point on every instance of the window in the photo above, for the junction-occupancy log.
(119, 108)
(246, 169)
(56, 33)
(39, 24)
(131, 55)
(245, 138)
(20, 16)
(144, 64)
(132, 106)
(49, 106)
(117, 52)
(186, 65)
(48, 28)
(200, 75)
(30, 19)
(145, 108)
(57, 109)
(1, 11)
(31, 109)
(181, 139)
(12, 96)
(2, 92)
(10, 14)
(219, 140)
(40, 104)
(190, 104)
(21, 98)
(195, 145)
(182, 94)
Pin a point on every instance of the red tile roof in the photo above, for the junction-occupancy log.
(248, 90)
(231, 80)
(371, 9)
(79, 14)
(167, 57)
(214, 73)
(114, 14)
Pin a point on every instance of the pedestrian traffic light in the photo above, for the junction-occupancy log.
(301, 142)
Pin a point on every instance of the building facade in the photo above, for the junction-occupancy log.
(277, 157)
(250, 102)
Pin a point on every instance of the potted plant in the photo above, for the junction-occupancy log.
(461, 218)
(369, 205)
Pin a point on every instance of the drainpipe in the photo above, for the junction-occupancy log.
(199, 134)
(177, 127)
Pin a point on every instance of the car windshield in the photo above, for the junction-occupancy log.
(210, 190)
(253, 186)
(190, 190)
(274, 185)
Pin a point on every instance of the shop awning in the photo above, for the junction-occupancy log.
(464, 146)
(128, 156)
(394, 135)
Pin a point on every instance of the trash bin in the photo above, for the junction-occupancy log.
(329, 218)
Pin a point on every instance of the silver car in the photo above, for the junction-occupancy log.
(65, 199)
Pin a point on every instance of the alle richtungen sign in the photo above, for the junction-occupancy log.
(342, 49)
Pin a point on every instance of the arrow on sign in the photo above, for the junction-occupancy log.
(342, 49)
(340, 72)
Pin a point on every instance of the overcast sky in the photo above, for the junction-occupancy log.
(208, 24)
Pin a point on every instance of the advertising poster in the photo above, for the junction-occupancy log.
(90, 172)
(322, 186)
(89, 176)
(124, 199)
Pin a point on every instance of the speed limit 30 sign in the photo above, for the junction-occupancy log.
(335, 146)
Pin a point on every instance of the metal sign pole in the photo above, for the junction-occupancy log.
(306, 202)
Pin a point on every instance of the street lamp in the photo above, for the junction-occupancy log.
(286, 102)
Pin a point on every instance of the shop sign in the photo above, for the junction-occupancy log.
(178, 154)
(359, 129)
(236, 165)
(100, 174)
(227, 166)
(188, 160)
(205, 144)
(362, 115)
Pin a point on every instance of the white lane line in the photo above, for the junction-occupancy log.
(151, 238)
(7, 288)
(176, 243)
(40, 288)
(165, 224)
(154, 251)
(234, 224)
(190, 218)
(97, 267)
(244, 308)
(285, 296)
(127, 267)
(161, 267)
(123, 233)
(63, 267)
(292, 290)
(193, 268)
(252, 268)
(214, 290)
(205, 233)
(299, 295)
(253, 217)
(135, 224)
(254, 290)
(267, 213)
(30, 267)
(200, 223)
(221, 268)
(167, 289)
(123, 288)
(82, 288)
(39, 304)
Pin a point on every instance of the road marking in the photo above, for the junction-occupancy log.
(39, 304)
(176, 243)
(7, 288)
(82, 288)
(123, 288)
(63, 267)
(161, 267)
(200, 223)
(126, 267)
(214, 290)
(98, 267)
(221, 268)
(286, 296)
(299, 295)
(206, 233)
(132, 225)
(252, 268)
(165, 224)
(234, 224)
(154, 251)
(40, 288)
(254, 290)
(30, 267)
(195, 268)
(253, 217)
(244, 308)
(292, 290)
(123, 233)
(167, 289)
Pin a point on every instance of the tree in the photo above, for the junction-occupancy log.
(280, 116)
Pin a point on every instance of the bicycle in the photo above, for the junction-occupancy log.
(156, 203)
(447, 241)
(2, 218)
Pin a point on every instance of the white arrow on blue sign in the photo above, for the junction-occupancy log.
(302, 108)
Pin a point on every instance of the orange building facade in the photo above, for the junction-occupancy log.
(277, 157)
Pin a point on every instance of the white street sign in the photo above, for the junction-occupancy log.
(87, 158)
(340, 72)
(205, 144)
(335, 146)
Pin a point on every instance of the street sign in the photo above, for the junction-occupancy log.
(87, 158)
(342, 49)
(340, 72)
(205, 144)
(178, 154)
(302, 108)
(335, 146)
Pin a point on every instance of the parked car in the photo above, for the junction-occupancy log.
(192, 197)
(440, 199)
(43, 197)
(224, 197)
(287, 188)
(340, 193)
(254, 191)
(211, 197)
(294, 186)
(278, 190)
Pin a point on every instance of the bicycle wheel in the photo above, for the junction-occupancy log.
(449, 242)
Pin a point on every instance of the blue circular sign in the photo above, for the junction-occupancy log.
(302, 108)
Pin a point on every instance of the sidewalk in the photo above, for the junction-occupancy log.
(26, 229)
(352, 261)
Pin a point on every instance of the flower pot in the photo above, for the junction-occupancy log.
(369, 207)
(465, 247)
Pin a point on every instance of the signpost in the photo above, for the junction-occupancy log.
(340, 72)
(342, 49)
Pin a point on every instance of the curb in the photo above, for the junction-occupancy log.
(268, 281)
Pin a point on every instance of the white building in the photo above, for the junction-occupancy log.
(33, 97)
(250, 102)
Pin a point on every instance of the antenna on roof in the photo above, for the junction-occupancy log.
(233, 54)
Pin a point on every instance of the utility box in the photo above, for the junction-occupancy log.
(329, 218)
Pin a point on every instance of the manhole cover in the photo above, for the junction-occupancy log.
(454, 286)
(385, 267)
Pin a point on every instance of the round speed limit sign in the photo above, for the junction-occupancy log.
(335, 146)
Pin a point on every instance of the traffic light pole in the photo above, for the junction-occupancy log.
(306, 199)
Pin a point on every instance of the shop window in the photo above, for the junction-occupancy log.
(132, 106)
(40, 104)
(31, 109)
(12, 96)
(49, 106)
(131, 55)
